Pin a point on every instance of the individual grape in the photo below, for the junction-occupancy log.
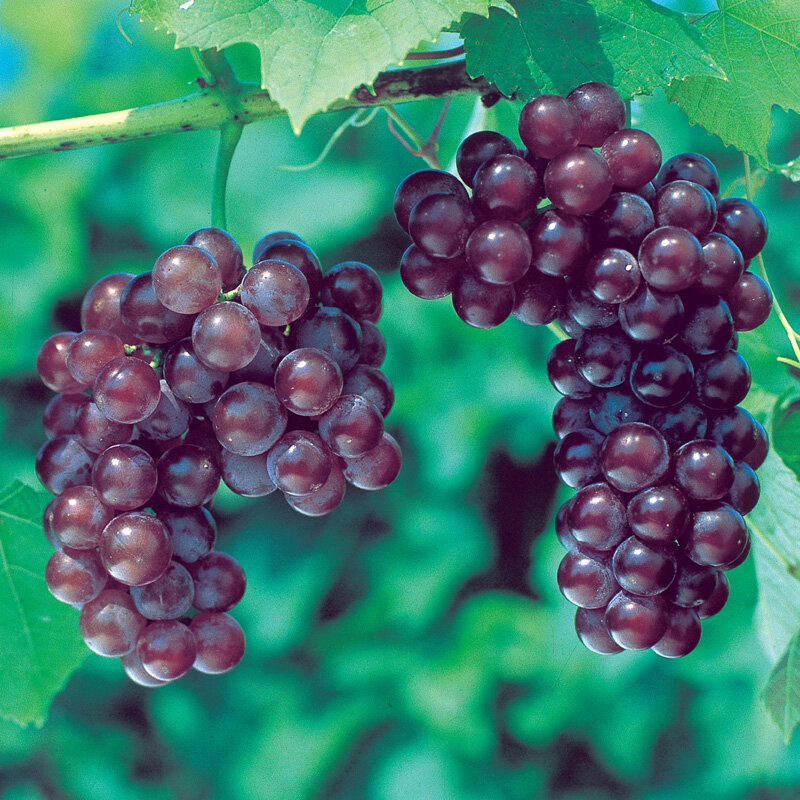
(187, 476)
(188, 377)
(478, 148)
(604, 358)
(78, 517)
(564, 534)
(372, 384)
(633, 157)
(634, 456)
(722, 264)
(275, 292)
(169, 596)
(132, 665)
(51, 364)
(351, 426)
(427, 277)
(596, 517)
(246, 475)
(755, 458)
(481, 304)
(689, 167)
(670, 258)
(652, 316)
(96, 431)
(220, 642)
(585, 579)
(693, 584)
(127, 390)
(590, 625)
(560, 243)
(506, 187)
(612, 275)
(717, 601)
(744, 223)
(376, 468)
(499, 251)
(323, 500)
(569, 326)
(745, 489)
(274, 346)
(549, 125)
(354, 287)
(100, 307)
(268, 239)
(571, 415)
(687, 205)
(643, 568)
(89, 352)
(708, 324)
(124, 476)
(170, 418)
(661, 376)
(440, 224)
(248, 418)
(563, 373)
(659, 514)
(750, 301)
(681, 636)
(615, 407)
(300, 255)
(734, 429)
(110, 624)
(226, 336)
(307, 382)
(219, 582)
(75, 576)
(722, 380)
(223, 248)
(740, 558)
(622, 221)
(636, 623)
(578, 181)
(192, 531)
(332, 330)
(60, 414)
(600, 109)
(583, 307)
(299, 462)
(148, 319)
(537, 298)
(681, 423)
(717, 535)
(577, 458)
(135, 548)
(421, 184)
(373, 345)
(63, 462)
(167, 649)
(186, 279)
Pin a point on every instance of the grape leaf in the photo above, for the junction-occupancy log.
(41, 644)
(781, 695)
(756, 43)
(554, 45)
(312, 51)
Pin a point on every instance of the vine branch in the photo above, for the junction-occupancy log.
(206, 110)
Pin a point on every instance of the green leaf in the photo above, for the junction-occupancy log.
(781, 695)
(41, 644)
(312, 51)
(756, 43)
(554, 45)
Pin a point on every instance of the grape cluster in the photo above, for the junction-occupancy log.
(197, 372)
(645, 269)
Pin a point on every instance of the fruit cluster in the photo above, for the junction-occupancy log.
(194, 372)
(644, 267)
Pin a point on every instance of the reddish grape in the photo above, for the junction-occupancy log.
(135, 548)
(220, 642)
(219, 582)
(600, 109)
(186, 279)
(167, 649)
(127, 390)
(275, 292)
(110, 624)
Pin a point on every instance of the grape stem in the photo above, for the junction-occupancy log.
(794, 338)
(425, 149)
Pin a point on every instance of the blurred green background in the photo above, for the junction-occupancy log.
(413, 646)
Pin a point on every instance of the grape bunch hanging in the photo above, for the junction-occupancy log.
(197, 372)
(645, 269)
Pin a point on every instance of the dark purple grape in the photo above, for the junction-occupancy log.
(722, 264)
(168, 596)
(750, 301)
(124, 476)
(499, 251)
(755, 458)
(636, 623)
(571, 415)
(268, 239)
(560, 243)
(578, 181)
(248, 418)
(192, 530)
(693, 584)
(100, 307)
(51, 364)
(351, 426)
(427, 277)
(167, 649)
(661, 376)
(299, 462)
(586, 579)
(60, 415)
(307, 382)
(562, 371)
(622, 221)
(577, 458)
(373, 345)
(745, 489)
(135, 548)
(246, 475)
(220, 642)
(275, 292)
(141, 312)
(63, 462)
(604, 358)
(480, 304)
(564, 534)
(371, 384)
(75, 576)
(634, 456)
(670, 258)
(687, 205)
(689, 167)
(186, 279)
(224, 249)
(354, 287)
(659, 514)
(633, 157)
(97, 432)
(226, 336)
(274, 346)
(740, 558)
(89, 352)
(127, 390)
(323, 500)
(647, 192)
(722, 380)
(703, 469)
(652, 316)
(421, 184)
(506, 187)
(478, 148)
(590, 625)
(549, 125)
(187, 475)
(188, 377)
(717, 535)
(537, 298)
(440, 224)
(332, 330)
(680, 424)
(743, 222)
(615, 407)
(300, 255)
(681, 636)
(596, 517)
(734, 429)
(717, 601)
(612, 275)
(708, 325)
(170, 418)
(600, 109)
(78, 517)
(376, 468)
(643, 568)
(583, 307)
(219, 582)
(110, 624)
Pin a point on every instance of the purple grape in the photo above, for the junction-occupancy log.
(681, 636)
(578, 181)
(149, 320)
(636, 623)
(332, 330)
(652, 316)
(722, 264)
(63, 462)
(135, 548)
(110, 624)
(634, 456)
(351, 426)
(127, 390)
(220, 642)
(643, 569)
(188, 377)
(560, 243)
(478, 148)
(376, 468)
(600, 109)
(744, 223)
(75, 576)
(586, 579)
(577, 458)
(440, 224)
(371, 384)
(590, 625)
(307, 382)
(275, 292)
(689, 167)
(297, 253)
(421, 184)
(703, 470)
(51, 364)
(96, 431)
(596, 517)
(604, 358)
(670, 259)
(226, 336)
(248, 418)
(722, 380)
(659, 514)
(187, 475)
(622, 221)
(687, 205)
(61, 414)
(549, 125)
(100, 307)
(89, 352)
(323, 500)
(571, 415)
(750, 301)
(78, 517)
(612, 275)
(299, 462)
(499, 251)
(427, 277)
(717, 535)
(633, 157)
(481, 304)
(167, 649)
(246, 475)
(223, 248)
(168, 596)
(192, 530)
(354, 287)
(661, 376)
(124, 476)
(537, 298)
(219, 582)
(186, 279)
